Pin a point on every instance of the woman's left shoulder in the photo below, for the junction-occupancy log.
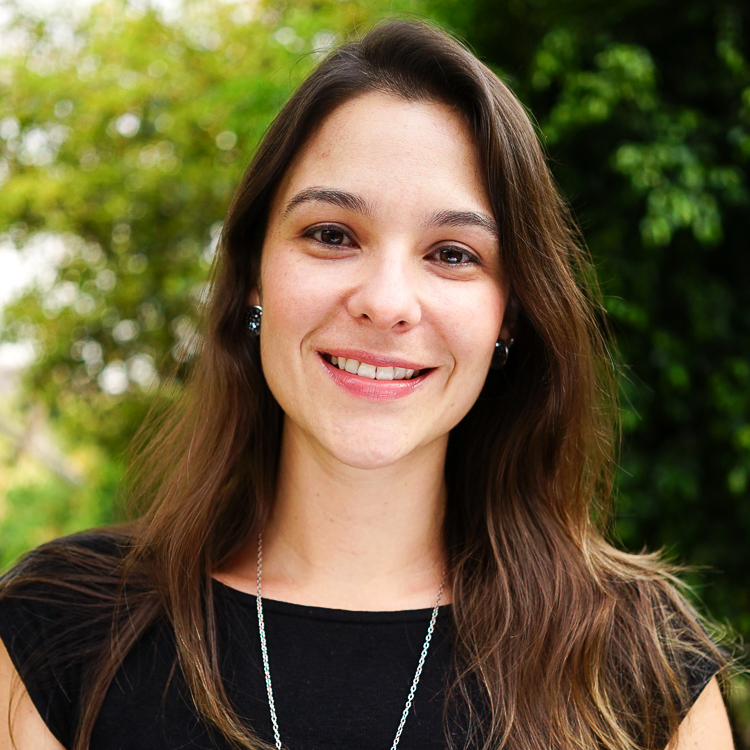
(689, 640)
(706, 726)
(676, 653)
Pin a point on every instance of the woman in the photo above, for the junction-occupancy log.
(397, 436)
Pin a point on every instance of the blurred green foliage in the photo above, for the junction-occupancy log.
(122, 142)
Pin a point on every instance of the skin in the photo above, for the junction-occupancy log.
(404, 266)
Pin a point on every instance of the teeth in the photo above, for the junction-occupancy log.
(371, 371)
(367, 371)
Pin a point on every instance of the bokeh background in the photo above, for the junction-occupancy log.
(124, 127)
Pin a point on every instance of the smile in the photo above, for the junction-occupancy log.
(373, 372)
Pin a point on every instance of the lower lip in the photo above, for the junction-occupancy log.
(375, 390)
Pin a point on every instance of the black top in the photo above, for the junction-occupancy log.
(340, 678)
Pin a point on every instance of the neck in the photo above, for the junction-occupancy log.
(352, 538)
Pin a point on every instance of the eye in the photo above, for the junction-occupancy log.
(455, 256)
(329, 234)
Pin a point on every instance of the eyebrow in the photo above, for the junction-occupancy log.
(464, 219)
(354, 202)
(339, 198)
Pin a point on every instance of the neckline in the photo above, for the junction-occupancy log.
(308, 612)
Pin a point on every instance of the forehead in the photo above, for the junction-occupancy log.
(394, 153)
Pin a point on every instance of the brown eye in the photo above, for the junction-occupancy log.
(454, 256)
(332, 236)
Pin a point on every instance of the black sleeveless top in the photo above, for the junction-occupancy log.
(340, 678)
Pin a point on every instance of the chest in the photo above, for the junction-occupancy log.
(340, 680)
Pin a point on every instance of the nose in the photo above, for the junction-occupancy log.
(386, 292)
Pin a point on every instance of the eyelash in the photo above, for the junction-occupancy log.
(472, 259)
(310, 234)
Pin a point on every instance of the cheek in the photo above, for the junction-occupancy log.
(293, 297)
(472, 325)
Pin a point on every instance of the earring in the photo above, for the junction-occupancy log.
(252, 319)
(502, 351)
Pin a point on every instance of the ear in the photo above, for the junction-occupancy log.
(253, 298)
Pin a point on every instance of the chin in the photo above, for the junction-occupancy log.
(367, 457)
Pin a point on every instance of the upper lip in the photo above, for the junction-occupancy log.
(379, 360)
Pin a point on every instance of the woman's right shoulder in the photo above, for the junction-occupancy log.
(56, 611)
(85, 553)
(62, 594)
(21, 725)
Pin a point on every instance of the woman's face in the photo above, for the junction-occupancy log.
(381, 257)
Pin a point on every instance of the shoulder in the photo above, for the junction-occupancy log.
(706, 726)
(63, 572)
(665, 652)
(56, 608)
(61, 596)
(21, 725)
(74, 553)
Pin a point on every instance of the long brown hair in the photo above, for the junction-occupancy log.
(561, 641)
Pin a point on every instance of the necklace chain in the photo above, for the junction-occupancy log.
(267, 666)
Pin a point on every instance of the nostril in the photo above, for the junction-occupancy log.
(387, 306)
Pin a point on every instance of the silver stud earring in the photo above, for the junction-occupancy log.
(252, 319)
(502, 351)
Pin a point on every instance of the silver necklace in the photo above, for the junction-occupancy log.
(267, 666)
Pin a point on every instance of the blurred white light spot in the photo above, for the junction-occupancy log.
(128, 79)
(137, 263)
(61, 295)
(92, 254)
(91, 352)
(35, 264)
(164, 122)
(89, 159)
(203, 36)
(244, 13)
(285, 36)
(113, 379)
(161, 155)
(187, 337)
(40, 145)
(106, 280)
(150, 316)
(84, 304)
(128, 125)
(9, 128)
(63, 108)
(323, 42)
(125, 330)
(16, 355)
(226, 140)
(88, 66)
(142, 371)
(210, 249)
(157, 68)
(121, 233)
(235, 52)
